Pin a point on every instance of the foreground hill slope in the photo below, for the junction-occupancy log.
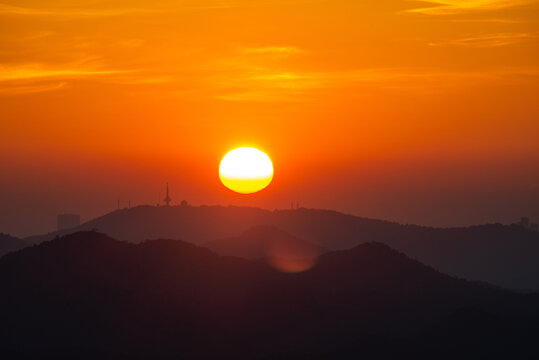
(502, 255)
(89, 294)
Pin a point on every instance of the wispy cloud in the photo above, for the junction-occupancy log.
(262, 85)
(20, 89)
(449, 7)
(274, 50)
(489, 40)
(25, 79)
(494, 20)
(40, 72)
(71, 12)
(164, 7)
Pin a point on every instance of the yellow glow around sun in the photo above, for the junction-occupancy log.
(246, 170)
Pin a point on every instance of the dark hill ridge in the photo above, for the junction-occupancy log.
(9, 243)
(361, 266)
(171, 299)
(502, 255)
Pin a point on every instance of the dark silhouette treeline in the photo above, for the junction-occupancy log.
(87, 295)
(505, 255)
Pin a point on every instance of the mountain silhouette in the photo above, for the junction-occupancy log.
(9, 243)
(499, 254)
(87, 293)
(278, 248)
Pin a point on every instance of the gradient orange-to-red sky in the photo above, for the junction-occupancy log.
(423, 112)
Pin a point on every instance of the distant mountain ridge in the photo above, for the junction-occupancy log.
(10, 243)
(502, 255)
(171, 299)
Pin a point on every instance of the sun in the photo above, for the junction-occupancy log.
(246, 170)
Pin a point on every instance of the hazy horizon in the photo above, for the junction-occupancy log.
(291, 206)
(414, 112)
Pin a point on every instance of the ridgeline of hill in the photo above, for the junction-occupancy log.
(89, 295)
(9, 243)
(499, 254)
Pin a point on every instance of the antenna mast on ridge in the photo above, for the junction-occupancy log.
(167, 199)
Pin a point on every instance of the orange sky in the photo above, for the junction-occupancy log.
(422, 112)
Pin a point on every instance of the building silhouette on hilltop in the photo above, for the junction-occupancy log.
(168, 200)
(525, 223)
